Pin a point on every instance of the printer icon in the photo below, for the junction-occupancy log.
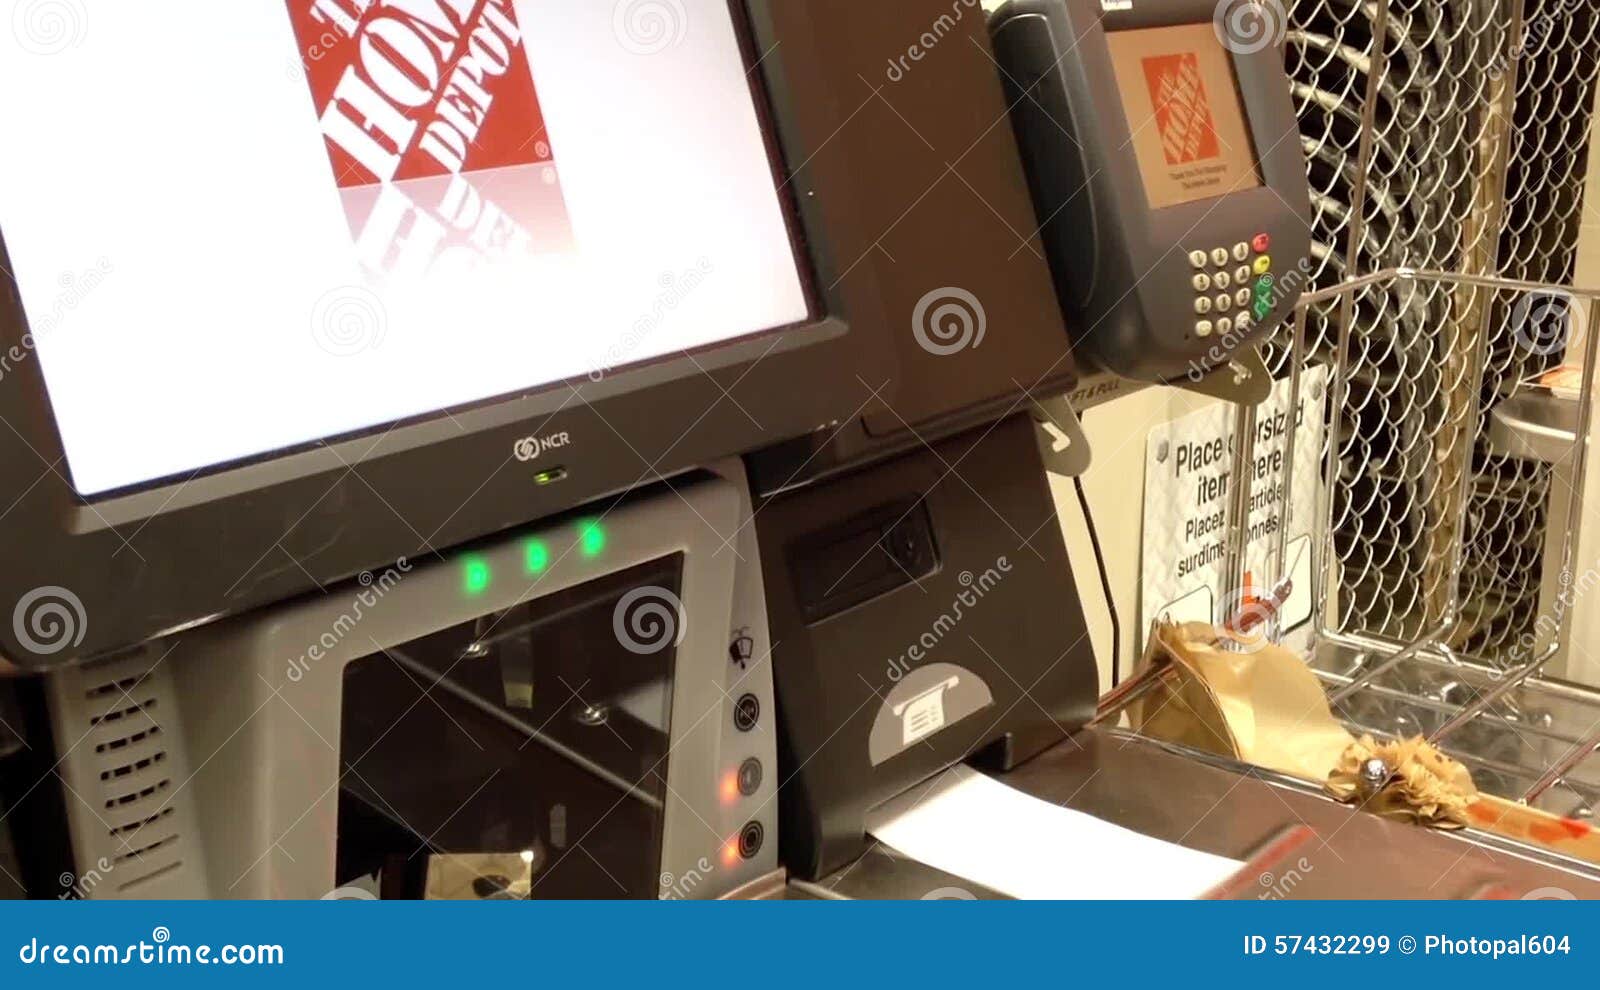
(923, 715)
(926, 701)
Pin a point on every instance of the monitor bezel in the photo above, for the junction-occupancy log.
(176, 553)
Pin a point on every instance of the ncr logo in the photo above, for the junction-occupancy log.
(409, 89)
(529, 448)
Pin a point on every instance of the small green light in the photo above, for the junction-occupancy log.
(475, 576)
(538, 557)
(593, 538)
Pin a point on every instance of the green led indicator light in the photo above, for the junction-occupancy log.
(592, 539)
(538, 557)
(475, 576)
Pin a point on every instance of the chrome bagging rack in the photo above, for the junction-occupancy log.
(1525, 735)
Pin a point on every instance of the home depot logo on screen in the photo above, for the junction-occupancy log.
(1183, 114)
(410, 89)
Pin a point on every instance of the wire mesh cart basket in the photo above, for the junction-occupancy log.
(1392, 635)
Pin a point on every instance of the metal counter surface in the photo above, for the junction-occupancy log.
(1222, 808)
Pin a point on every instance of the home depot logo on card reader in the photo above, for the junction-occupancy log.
(1183, 113)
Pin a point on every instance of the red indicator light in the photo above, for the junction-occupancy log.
(730, 852)
(730, 787)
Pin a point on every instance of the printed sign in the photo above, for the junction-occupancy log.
(1188, 468)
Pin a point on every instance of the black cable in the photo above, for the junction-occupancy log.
(1105, 583)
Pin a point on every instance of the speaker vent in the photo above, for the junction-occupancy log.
(120, 747)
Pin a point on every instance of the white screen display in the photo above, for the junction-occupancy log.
(239, 227)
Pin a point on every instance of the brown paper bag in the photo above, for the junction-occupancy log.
(1262, 705)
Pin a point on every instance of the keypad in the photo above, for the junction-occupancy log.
(1243, 273)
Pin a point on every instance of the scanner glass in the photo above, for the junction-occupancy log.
(538, 736)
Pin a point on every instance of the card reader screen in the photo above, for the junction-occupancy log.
(249, 226)
(1182, 100)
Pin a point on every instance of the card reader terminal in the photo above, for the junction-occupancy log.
(1164, 159)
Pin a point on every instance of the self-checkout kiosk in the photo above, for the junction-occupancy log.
(586, 511)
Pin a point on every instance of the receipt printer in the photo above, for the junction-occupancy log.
(1165, 164)
(922, 612)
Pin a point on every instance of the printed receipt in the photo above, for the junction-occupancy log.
(975, 827)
